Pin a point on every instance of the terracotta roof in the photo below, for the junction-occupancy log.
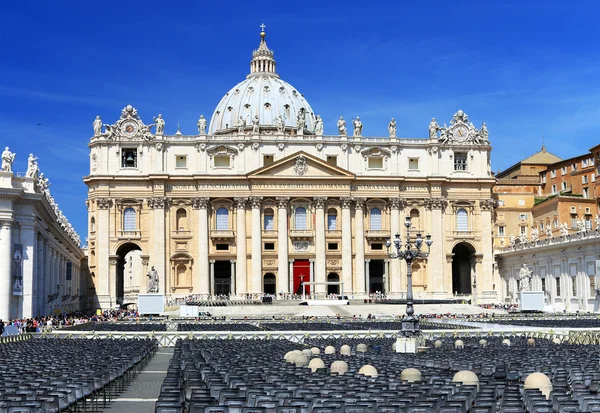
(542, 157)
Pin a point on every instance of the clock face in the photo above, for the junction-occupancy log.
(460, 133)
(129, 129)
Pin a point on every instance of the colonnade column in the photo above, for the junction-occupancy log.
(485, 277)
(291, 276)
(394, 276)
(5, 275)
(232, 282)
(114, 260)
(39, 279)
(28, 240)
(256, 202)
(359, 245)
(320, 266)
(386, 276)
(347, 245)
(159, 204)
(103, 206)
(241, 284)
(283, 277)
(435, 262)
(212, 277)
(311, 276)
(367, 276)
(201, 204)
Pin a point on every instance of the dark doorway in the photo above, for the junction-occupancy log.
(269, 283)
(222, 278)
(301, 274)
(333, 288)
(376, 276)
(120, 281)
(461, 268)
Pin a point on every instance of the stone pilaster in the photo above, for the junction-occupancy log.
(256, 282)
(232, 290)
(347, 244)
(5, 269)
(212, 277)
(486, 279)
(240, 242)
(435, 262)
(103, 206)
(282, 247)
(320, 265)
(201, 205)
(359, 245)
(159, 205)
(28, 239)
(394, 276)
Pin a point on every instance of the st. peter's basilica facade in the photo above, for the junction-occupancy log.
(260, 200)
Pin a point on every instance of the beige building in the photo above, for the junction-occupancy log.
(263, 200)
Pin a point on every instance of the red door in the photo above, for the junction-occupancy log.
(301, 274)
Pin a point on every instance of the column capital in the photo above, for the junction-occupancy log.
(368, 260)
(256, 201)
(311, 260)
(320, 201)
(212, 261)
(282, 202)
(346, 202)
(435, 203)
(359, 203)
(240, 202)
(113, 260)
(104, 203)
(291, 260)
(397, 203)
(200, 202)
(487, 204)
(232, 261)
(159, 202)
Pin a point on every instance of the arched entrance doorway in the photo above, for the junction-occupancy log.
(461, 268)
(128, 270)
(269, 283)
(333, 288)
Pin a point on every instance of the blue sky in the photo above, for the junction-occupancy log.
(530, 69)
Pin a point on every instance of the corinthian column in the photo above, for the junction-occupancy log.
(283, 283)
(435, 262)
(347, 245)
(320, 266)
(256, 286)
(103, 206)
(241, 285)
(359, 243)
(394, 276)
(201, 204)
(158, 205)
(5, 274)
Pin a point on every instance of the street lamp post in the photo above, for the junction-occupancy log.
(410, 324)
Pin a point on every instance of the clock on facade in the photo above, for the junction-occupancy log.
(460, 133)
(129, 128)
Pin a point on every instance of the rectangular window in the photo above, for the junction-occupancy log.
(523, 217)
(541, 226)
(593, 178)
(375, 162)
(557, 280)
(521, 202)
(584, 163)
(269, 222)
(180, 161)
(69, 271)
(267, 160)
(500, 202)
(574, 284)
(586, 193)
(523, 230)
(543, 284)
(584, 179)
(588, 222)
(129, 158)
(222, 247)
(563, 186)
(544, 178)
(377, 247)
(500, 231)
(269, 246)
(573, 221)
(553, 173)
(413, 164)
(332, 160)
(460, 161)
(222, 161)
(563, 170)
(332, 246)
(462, 220)
(574, 167)
(331, 222)
(553, 189)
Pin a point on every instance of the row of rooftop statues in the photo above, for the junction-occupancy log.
(563, 229)
(43, 185)
(443, 134)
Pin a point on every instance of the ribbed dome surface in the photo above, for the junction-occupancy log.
(264, 94)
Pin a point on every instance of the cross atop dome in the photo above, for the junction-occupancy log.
(263, 61)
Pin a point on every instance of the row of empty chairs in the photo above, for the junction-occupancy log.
(356, 325)
(223, 303)
(251, 376)
(119, 326)
(208, 326)
(547, 322)
(52, 375)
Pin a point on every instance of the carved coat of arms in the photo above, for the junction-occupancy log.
(301, 166)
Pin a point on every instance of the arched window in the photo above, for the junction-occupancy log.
(181, 217)
(222, 219)
(462, 223)
(332, 219)
(300, 218)
(269, 219)
(375, 219)
(129, 219)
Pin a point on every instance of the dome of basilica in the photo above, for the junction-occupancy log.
(264, 95)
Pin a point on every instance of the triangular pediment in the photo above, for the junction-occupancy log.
(301, 165)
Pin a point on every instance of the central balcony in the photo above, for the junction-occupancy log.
(129, 235)
(181, 234)
(302, 234)
(378, 234)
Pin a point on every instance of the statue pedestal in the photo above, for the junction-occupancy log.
(189, 311)
(409, 344)
(532, 300)
(153, 304)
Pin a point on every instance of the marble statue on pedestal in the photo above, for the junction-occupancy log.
(392, 128)
(160, 124)
(301, 121)
(319, 126)
(581, 226)
(564, 229)
(32, 167)
(7, 160)
(357, 127)
(548, 232)
(535, 234)
(525, 275)
(597, 221)
(97, 126)
(280, 124)
(341, 124)
(255, 124)
(523, 239)
(511, 240)
(433, 129)
(241, 124)
(201, 125)
(152, 280)
(43, 183)
(484, 131)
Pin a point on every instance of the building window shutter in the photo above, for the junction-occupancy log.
(375, 219)
(129, 220)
